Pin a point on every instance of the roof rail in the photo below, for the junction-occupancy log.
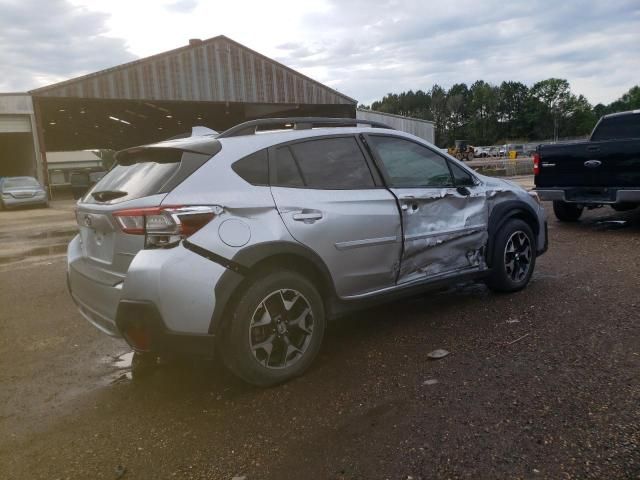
(296, 123)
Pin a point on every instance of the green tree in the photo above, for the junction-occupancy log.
(628, 101)
(554, 94)
(458, 108)
(512, 100)
(483, 100)
(439, 113)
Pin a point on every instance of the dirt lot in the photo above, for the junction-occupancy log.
(544, 383)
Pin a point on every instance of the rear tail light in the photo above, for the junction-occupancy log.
(536, 163)
(165, 226)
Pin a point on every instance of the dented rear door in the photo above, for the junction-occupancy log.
(444, 213)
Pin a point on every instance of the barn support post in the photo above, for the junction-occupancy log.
(40, 145)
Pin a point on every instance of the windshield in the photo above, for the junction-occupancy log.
(20, 182)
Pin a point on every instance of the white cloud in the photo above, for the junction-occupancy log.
(364, 48)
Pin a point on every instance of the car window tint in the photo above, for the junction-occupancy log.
(333, 163)
(253, 168)
(618, 127)
(409, 164)
(460, 176)
(287, 173)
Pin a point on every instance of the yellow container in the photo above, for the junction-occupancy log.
(512, 154)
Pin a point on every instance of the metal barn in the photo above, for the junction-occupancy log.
(416, 126)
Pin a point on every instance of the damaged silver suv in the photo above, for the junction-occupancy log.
(247, 242)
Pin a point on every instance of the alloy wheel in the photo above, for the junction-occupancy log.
(281, 329)
(517, 256)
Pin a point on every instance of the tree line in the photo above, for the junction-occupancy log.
(486, 114)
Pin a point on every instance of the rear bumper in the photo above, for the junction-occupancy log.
(96, 299)
(24, 202)
(144, 330)
(587, 195)
(167, 294)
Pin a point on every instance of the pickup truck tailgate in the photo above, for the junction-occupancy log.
(590, 164)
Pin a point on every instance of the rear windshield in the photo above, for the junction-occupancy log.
(20, 182)
(618, 128)
(140, 175)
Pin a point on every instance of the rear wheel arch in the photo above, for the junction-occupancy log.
(261, 259)
(504, 212)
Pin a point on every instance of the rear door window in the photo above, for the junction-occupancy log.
(332, 163)
(287, 171)
(618, 128)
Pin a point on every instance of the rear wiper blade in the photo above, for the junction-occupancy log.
(106, 195)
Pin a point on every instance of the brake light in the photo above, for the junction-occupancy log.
(536, 163)
(165, 226)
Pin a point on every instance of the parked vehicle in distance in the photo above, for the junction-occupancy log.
(22, 192)
(515, 147)
(462, 150)
(494, 151)
(249, 241)
(604, 170)
(481, 152)
(530, 149)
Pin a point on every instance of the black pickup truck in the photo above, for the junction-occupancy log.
(605, 170)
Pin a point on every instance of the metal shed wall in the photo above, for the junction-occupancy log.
(418, 127)
(214, 70)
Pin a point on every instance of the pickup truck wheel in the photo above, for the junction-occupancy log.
(567, 212)
(276, 329)
(514, 257)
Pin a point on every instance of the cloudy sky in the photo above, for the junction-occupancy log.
(364, 48)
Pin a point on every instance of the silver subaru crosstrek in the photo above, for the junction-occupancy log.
(247, 242)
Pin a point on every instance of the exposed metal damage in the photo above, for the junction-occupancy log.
(445, 230)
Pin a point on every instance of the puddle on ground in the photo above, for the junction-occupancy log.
(124, 360)
(123, 365)
(611, 224)
(34, 252)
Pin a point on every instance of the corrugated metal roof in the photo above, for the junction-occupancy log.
(384, 114)
(214, 70)
(424, 129)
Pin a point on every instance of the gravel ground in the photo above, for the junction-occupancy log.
(544, 383)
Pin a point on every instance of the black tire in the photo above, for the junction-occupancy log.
(284, 328)
(511, 272)
(143, 365)
(567, 212)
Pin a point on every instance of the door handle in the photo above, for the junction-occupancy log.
(307, 216)
(593, 148)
